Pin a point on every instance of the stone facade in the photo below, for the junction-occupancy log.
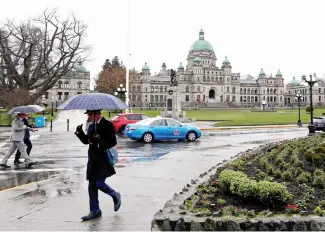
(202, 82)
(318, 92)
(76, 82)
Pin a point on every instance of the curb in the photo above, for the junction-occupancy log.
(250, 128)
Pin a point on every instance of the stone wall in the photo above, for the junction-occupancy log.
(175, 217)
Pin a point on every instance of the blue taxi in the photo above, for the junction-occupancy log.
(152, 129)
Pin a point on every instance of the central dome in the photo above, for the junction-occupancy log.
(201, 44)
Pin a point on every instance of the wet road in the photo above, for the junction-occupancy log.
(148, 175)
(61, 153)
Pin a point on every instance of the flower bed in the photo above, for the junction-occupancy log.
(288, 179)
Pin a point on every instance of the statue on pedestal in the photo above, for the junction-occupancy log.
(173, 77)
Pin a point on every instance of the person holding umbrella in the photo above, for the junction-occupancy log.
(17, 137)
(27, 141)
(100, 137)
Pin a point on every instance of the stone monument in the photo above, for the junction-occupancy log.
(173, 100)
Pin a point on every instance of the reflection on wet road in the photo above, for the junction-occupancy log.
(60, 153)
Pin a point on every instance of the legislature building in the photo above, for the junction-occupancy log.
(205, 84)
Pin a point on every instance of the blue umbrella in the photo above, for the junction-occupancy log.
(93, 101)
(25, 109)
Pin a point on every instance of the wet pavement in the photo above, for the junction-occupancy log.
(53, 195)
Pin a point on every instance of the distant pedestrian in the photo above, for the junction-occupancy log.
(17, 137)
(26, 140)
(100, 137)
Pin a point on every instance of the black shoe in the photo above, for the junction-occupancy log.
(92, 215)
(18, 162)
(32, 163)
(5, 165)
(117, 202)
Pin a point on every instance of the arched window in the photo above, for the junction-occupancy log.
(60, 84)
(156, 89)
(245, 91)
(187, 89)
(152, 89)
(133, 89)
(79, 84)
(66, 85)
(233, 90)
(241, 90)
(161, 89)
(165, 88)
(208, 79)
(204, 79)
(252, 91)
(139, 89)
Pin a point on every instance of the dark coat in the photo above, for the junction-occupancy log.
(98, 167)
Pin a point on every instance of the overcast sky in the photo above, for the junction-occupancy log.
(254, 34)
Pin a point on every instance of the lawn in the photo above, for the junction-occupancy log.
(5, 120)
(243, 117)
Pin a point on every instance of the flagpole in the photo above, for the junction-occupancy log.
(127, 59)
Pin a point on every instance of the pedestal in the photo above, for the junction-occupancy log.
(174, 105)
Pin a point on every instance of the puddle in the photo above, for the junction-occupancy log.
(14, 179)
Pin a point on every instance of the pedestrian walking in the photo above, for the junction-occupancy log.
(100, 137)
(16, 138)
(26, 140)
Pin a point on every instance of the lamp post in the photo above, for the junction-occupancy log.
(311, 126)
(52, 105)
(298, 98)
(43, 102)
(56, 103)
(120, 92)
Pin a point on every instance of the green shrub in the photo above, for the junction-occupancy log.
(308, 108)
(229, 210)
(227, 176)
(319, 172)
(304, 177)
(221, 201)
(279, 160)
(269, 191)
(299, 170)
(287, 175)
(247, 188)
(264, 162)
(277, 173)
(319, 181)
(270, 170)
(322, 203)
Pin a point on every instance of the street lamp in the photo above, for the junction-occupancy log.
(43, 102)
(56, 103)
(52, 105)
(298, 98)
(311, 83)
(120, 92)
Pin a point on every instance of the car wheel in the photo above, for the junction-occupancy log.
(147, 137)
(122, 130)
(191, 136)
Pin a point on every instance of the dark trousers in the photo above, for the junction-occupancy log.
(29, 148)
(93, 188)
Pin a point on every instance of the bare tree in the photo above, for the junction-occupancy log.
(35, 54)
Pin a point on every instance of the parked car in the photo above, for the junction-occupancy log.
(319, 123)
(121, 120)
(159, 128)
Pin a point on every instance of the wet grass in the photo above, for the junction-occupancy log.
(5, 119)
(242, 117)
